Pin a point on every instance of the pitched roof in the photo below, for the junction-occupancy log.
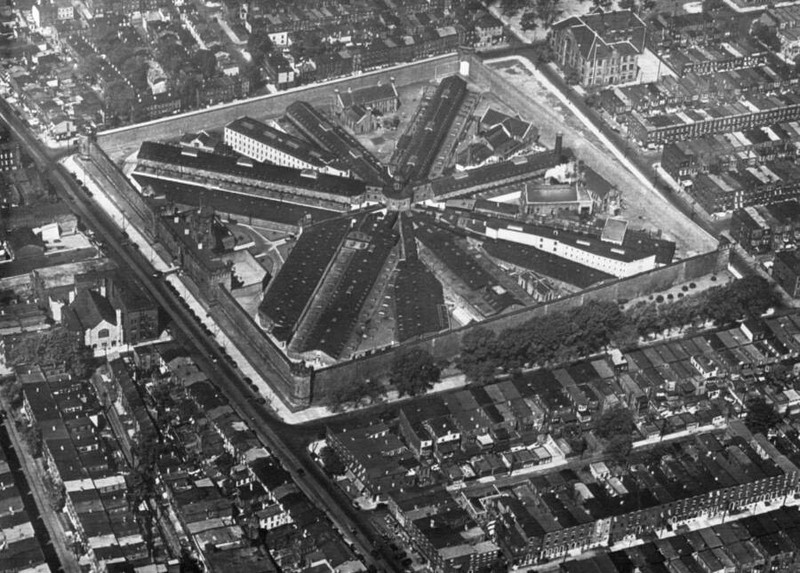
(598, 34)
(89, 309)
(368, 95)
(515, 127)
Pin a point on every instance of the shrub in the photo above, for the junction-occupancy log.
(659, 298)
(692, 285)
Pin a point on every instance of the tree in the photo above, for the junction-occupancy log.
(330, 459)
(512, 7)
(572, 77)
(761, 416)
(767, 36)
(613, 423)
(543, 52)
(528, 21)
(206, 63)
(477, 359)
(351, 393)
(619, 448)
(711, 6)
(259, 45)
(120, 99)
(11, 392)
(414, 372)
(628, 5)
(548, 11)
(56, 347)
(32, 436)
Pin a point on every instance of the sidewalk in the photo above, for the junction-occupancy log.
(33, 471)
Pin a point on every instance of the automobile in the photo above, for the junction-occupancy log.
(406, 562)
(157, 274)
(261, 400)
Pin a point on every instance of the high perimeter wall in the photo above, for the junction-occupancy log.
(294, 388)
(447, 345)
(124, 141)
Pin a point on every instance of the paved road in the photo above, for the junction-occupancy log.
(272, 431)
(45, 523)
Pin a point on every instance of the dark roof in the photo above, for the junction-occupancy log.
(514, 126)
(235, 204)
(314, 125)
(429, 130)
(418, 301)
(642, 241)
(291, 289)
(89, 309)
(497, 174)
(263, 173)
(596, 183)
(791, 259)
(335, 325)
(785, 212)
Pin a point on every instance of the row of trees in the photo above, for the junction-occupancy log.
(564, 336)
(412, 373)
(557, 337)
(748, 297)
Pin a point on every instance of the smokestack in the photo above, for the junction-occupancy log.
(559, 144)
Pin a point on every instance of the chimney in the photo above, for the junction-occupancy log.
(559, 144)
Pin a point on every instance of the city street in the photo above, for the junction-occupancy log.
(207, 352)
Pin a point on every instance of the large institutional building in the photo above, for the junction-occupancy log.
(263, 142)
(600, 49)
